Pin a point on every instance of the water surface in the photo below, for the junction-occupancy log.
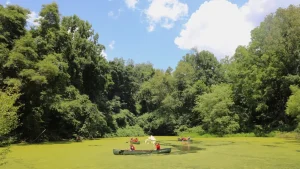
(202, 153)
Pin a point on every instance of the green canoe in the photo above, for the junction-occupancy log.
(133, 142)
(138, 152)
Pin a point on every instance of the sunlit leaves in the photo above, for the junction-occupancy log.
(216, 110)
(8, 110)
(293, 106)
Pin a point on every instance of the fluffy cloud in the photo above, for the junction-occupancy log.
(104, 54)
(256, 10)
(112, 45)
(131, 3)
(220, 26)
(32, 17)
(165, 13)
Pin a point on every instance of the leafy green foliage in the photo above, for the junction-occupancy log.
(78, 114)
(216, 110)
(293, 107)
(12, 24)
(130, 131)
(124, 118)
(8, 110)
(262, 73)
(67, 88)
(183, 130)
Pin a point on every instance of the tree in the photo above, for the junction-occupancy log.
(293, 107)
(266, 68)
(206, 66)
(12, 24)
(216, 109)
(8, 110)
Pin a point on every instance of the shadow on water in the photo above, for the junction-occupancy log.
(185, 148)
(177, 149)
(191, 142)
(268, 145)
(221, 144)
(278, 143)
(45, 143)
(293, 141)
(54, 142)
(95, 145)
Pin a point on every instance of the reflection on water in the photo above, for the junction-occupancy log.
(268, 145)
(278, 143)
(225, 143)
(178, 147)
(183, 147)
(194, 146)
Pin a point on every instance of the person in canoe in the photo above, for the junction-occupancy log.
(157, 146)
(185, 139)
(132, 148)
(134, 140)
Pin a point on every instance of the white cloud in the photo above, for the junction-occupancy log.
(150, 28)
(112, 14)
(7, 2)
(31, 21)
(256, 10)
(112, 45)
(165, 13)
(220, 26)
(104, 54)
(131, 3)
(167, 24)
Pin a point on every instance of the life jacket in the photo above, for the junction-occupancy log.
(132, 148)
(157, 147)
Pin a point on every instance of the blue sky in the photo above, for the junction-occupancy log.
(217, 25)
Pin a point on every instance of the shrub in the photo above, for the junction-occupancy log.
(298, 129)
(194, 130)
(128, 131)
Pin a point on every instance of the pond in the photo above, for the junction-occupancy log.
(201, 153)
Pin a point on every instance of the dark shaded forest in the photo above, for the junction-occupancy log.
(55, 81)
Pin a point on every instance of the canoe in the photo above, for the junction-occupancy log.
(133, 142)
(179, 139)
(139, 152)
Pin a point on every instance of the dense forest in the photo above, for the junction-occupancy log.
(54, 80)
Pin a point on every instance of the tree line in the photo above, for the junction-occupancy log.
(53, 78)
